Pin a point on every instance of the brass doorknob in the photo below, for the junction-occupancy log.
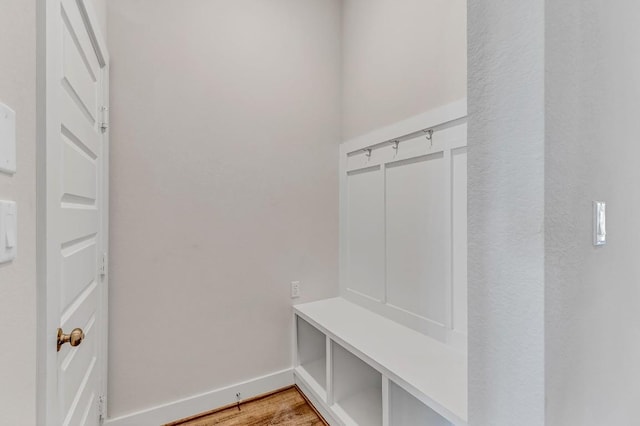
(74, 338)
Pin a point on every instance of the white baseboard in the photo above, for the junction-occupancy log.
(204, 402)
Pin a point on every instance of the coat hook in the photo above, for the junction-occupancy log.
(429, 135)
(367, 152)
(396, 144)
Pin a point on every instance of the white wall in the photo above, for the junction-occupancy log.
(225, 132)
(400, 58)
(506, 213)
(18, 279)
(592, 294)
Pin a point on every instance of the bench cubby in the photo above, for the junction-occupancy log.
(357, 389)
(405, 410)
(312, 355)
(361, 368)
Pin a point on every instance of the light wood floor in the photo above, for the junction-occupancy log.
(284, 408)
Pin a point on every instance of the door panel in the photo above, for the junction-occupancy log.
(80, 174)
(74, 367)
(84, 408)
(72, 18)
(79, 314)
(78, 79)
(77, 271)
(77, 128)
(77, 222)
(78, 74)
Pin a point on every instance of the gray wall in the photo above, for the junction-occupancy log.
(400, 58)
(506, 212)
(592, 294)
(18, 279)
(225, 133)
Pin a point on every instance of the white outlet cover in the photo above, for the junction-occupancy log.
(295, 289)
(7, 139)
(8, 231)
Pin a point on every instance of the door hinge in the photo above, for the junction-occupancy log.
(104, 123)
(101, 404)
(104, 260)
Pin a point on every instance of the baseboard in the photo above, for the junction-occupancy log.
(203, 402)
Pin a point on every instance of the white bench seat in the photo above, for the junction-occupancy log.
(429, 370)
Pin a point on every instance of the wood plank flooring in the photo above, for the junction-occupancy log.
(287, 407)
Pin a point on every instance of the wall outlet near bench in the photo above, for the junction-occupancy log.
(295, 289)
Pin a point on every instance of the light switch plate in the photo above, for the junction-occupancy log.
(7, 139)
(599, 223)
(8, 231)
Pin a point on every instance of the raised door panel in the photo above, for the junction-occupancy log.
(78, 74)
(80, 180)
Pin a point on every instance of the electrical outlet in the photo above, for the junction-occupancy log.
(295, 289)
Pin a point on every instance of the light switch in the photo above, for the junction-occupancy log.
(8, 231)
(599, 223)
(7, 139)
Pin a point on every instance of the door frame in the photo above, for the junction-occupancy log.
(48, 33)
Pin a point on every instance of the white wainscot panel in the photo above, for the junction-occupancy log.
(365, 241)
(417, 237)
(459, 221)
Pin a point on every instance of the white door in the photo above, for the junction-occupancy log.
(76, 214)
